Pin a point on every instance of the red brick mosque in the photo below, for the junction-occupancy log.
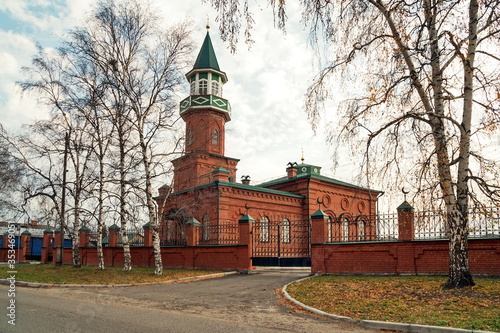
(206, 191)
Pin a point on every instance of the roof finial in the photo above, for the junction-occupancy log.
(208, 23)
(302, 158)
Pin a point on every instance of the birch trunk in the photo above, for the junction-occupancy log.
(459, 273)
(127, 260)
(153, 217)
(76, 229)
(100, 222)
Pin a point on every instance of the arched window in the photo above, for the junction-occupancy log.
(215, 137)
(215, 88)
(205, 228)
(285, 235)
(264, 230)
(361, 230)
(345, 230)
(329, 226)
(203, 87)
(193, 88)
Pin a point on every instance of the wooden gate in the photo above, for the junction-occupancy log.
(281, 243)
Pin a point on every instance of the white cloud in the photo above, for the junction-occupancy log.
(266, 84)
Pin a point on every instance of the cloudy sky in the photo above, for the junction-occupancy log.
(266, 84)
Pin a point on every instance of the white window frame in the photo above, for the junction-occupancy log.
(203, 87)
(215, 137)
(361, 230)
(215, 88)
(285, 232)
(264, 230)
(345, 230)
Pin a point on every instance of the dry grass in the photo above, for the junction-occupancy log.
(416, 299)
(67, 274)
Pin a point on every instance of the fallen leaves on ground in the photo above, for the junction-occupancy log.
(416, 299)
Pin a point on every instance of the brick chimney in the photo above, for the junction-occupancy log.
(291, 172)
(245, 180)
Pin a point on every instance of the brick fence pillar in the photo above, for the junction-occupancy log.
(113, 235)
(83, 234)
(25, 245)
(148, 234)
(47, 246)
(192, 232)
(406, 219)
(245, 225)
(6, 240)
(319, 227)
(58, 243)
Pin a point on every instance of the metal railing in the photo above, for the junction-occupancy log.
(430, 225)
(224, 234)
(347, 228)
(173, 233)
(482, 223)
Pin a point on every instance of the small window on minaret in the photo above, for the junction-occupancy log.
(215, 137)
(215, 88)
(203, 87)
(193, 88)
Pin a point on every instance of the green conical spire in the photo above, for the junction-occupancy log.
(206, 57)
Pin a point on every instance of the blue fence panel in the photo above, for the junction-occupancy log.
(67, 243)
(36, 246)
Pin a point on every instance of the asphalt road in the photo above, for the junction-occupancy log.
(235, 303)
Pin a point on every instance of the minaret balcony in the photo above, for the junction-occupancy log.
(206, 101)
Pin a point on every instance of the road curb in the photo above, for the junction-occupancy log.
(381, 325)
(118, 285)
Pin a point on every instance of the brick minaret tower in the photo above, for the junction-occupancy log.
(205, 113)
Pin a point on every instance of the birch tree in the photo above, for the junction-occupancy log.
(426, 97)
(141, 67)
(11, 177)
(52, 79)
(122, 69)
(41, 159)
(101, 133)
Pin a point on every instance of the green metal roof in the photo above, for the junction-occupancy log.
(313, 176)
(246, 219)
(319, 214)
(243, 187)
(405, 207)
(221, 170)
(206, 57)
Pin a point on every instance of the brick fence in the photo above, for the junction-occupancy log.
(359, 245)
(235, 256)
(403, 255)
(414, 257)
